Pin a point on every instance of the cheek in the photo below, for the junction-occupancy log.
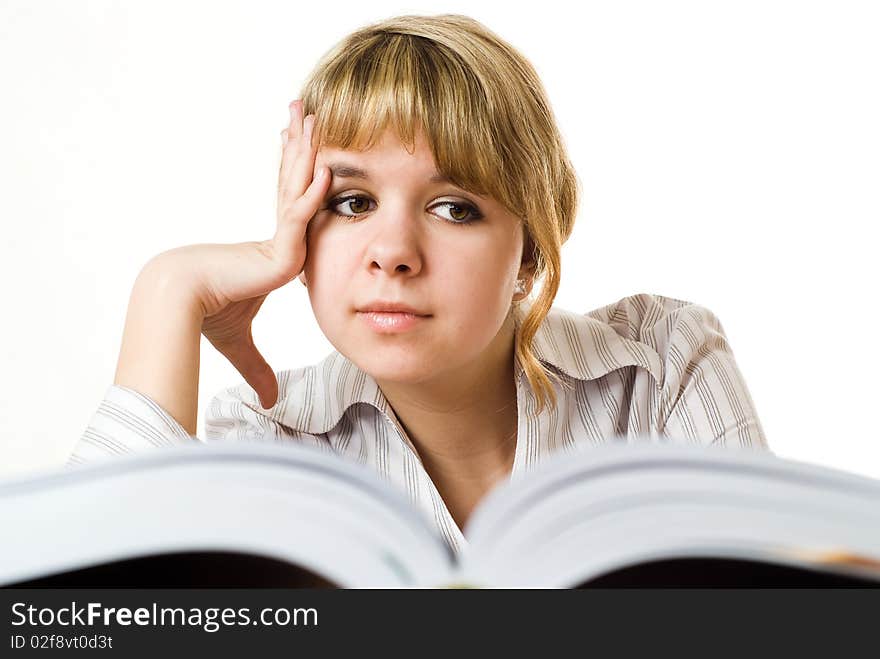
(478, 283)
(325, 249)
(327, 269)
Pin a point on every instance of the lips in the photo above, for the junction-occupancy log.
(392, 317)
(384, 307)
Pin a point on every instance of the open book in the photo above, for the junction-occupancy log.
(271, 515)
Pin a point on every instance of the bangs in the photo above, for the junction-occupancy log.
(410, 84)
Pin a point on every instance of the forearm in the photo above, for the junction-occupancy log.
(159, 356)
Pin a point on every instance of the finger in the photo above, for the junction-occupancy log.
(303, 167)
(293, 221)
(268, 390)
(296, 118)
(294, 131)
(248, 361)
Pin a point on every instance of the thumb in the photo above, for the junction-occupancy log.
(266, 387)
(248, 361)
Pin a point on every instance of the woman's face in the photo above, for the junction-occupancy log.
(449, 255)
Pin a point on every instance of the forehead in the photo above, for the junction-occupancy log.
(388, 151)
(388, 161)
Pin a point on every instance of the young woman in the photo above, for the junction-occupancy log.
(424, 196)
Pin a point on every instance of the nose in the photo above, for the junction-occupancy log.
(395, 246)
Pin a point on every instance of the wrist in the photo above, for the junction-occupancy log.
(165, 281)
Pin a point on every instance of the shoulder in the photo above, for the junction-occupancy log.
(637, 330)
(673, 328)
(701, 394)
(648, 315)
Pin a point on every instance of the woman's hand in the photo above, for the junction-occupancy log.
(234, 279)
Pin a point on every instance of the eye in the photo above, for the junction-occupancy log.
(342, 202)
(459, 212)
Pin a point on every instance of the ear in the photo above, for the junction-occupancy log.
(526, 270)
(527, 265)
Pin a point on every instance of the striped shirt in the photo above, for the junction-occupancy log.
(647, 368)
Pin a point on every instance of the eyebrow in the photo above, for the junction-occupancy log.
(344, 170)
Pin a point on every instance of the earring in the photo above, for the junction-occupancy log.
(520, 287)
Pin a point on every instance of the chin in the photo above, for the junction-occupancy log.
(391, 366)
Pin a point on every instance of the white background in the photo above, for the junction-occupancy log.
(729, 154)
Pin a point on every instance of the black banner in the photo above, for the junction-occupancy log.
(142, 622)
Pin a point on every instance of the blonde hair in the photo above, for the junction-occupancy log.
(486, 117)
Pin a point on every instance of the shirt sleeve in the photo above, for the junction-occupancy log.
(704, 398)
(126, 421)
(235, 414)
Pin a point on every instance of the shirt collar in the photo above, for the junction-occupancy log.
(577, 346)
